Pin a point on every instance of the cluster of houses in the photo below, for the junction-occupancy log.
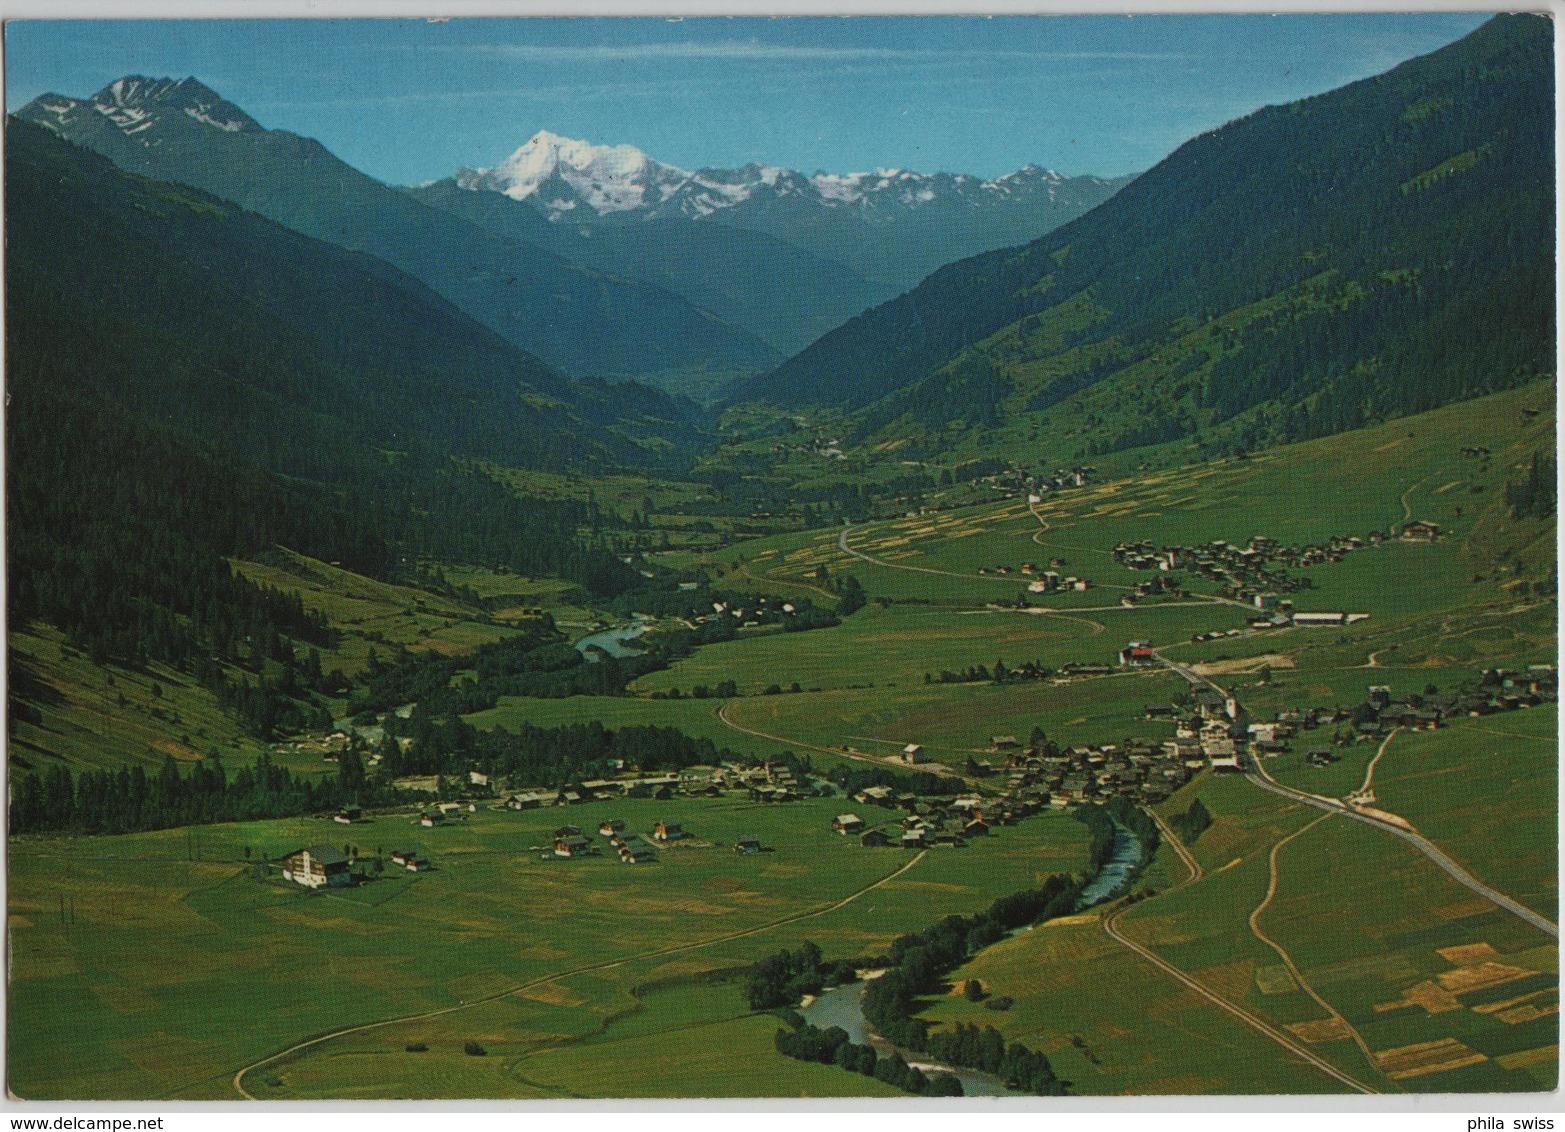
(1247, 573)
(327, 866)
(1014, 482)
(765, 611)
(767, 782)
(634, 849)
(927, 822)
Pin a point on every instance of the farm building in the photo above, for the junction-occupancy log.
(610, 826)
(1420, 531)
(636, 853)
(572, 846)
(668, 831)
(875, 838)
(913, 754)
(319, 866)
(847, 823)
(749, 843)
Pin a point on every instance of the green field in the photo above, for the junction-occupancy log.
(145, 965)
(138, 972)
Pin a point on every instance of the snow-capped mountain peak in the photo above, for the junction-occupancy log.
(563, 171)
(136, 104)
(582, 182)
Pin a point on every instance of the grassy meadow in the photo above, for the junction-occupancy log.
(145, 965)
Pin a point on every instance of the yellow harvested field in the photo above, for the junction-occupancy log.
(1480, 976)
(1496, 1007)
(1321, 1030)
(1433, 998)
(1528, 1013)
(1244, 665)
(1521, 1060)
(1466, 953)
(1425, 1058)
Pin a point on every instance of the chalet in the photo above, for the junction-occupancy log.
(572, 846)
(874, 796)
(1319, 756)
(402, 856)
(975, 828)
(913, 754)
(636, 853)
(416, 864)
(875, 838)
(1225, 764)
(914, 838)
(1137, 654)
(749, 843)
(429, 821)
(847, 823)
(319, 866)
(1420, 531)
(567, 831)
(528, 801)
(1003, 742)
(477, 778)
(668, 831)
(609, 827)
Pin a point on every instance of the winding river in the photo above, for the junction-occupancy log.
(1111, 878)
(844, 1006)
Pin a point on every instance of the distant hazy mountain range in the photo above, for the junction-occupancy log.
(727, 271)
(1381, 249)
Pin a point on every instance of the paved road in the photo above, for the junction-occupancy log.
(603, 966)
(1429, 849)
(1418, 841)
(1111, 925)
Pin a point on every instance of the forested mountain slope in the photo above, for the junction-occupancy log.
(585, 322)
(1380, 249)
(188, 381)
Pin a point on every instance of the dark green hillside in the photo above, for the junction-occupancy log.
(784, 295)
(1378, 250)
(187, 382)
(584, 322)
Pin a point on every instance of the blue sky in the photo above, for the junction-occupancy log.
(409, 101)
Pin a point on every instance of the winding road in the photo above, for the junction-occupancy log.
(1111, 926)
(1390, 823)
(1287, 960)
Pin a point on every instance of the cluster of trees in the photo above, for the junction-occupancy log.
(832, 1047)
(983, 1048)
(547, 756)
(917, 961)
(784, 978)
(1536, 496)
(999, 674)
(129, 799)
(1192, 823)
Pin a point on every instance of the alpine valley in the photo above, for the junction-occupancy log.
(583, 627)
